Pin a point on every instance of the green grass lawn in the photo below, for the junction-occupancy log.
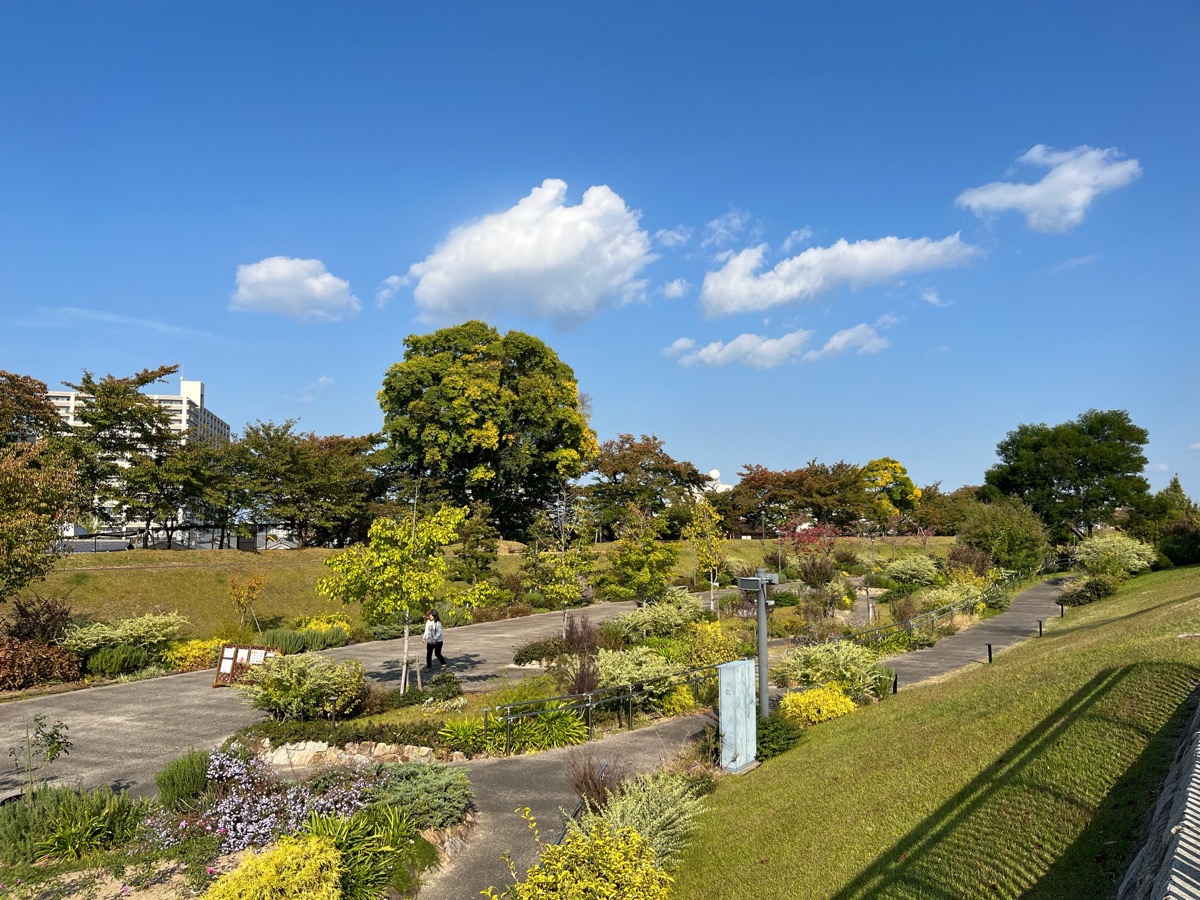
(1026, 778)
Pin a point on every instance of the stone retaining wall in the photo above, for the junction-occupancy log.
(1168, 864)
(308, 756)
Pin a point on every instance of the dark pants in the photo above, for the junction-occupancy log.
(431, 649)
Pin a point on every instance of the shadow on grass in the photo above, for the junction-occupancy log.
(1127, 618)
(1057, 814)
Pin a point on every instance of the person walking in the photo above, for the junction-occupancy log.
(433, 639)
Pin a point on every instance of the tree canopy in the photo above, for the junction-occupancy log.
(1075, 475)
(639, 472)
(488, 417)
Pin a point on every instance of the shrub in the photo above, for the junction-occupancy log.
(286, 640)
(845, 557)
(556, 728)
(431, 795)
(915, 569)
(707, 644)
(843, 663)
(372, 846)
(420, 734)
(784, 599)
(304, 687)
(815, 705)
(324, 622)
(37, 618)
(24, 664)
(636, 666)
(112, 661)
(308, 867)
(662, 619)
(191, 656)
(89, 821)
(1089, 590)
(1113, 554)
(950, 595)
(324, 638)
(593, 781)
(542, 650)
(680, 701)
(183, 780)
(150, 632)
(964, 556)
(581, 636)
(777, 734)
(662, 808)
(1180, 542)
(599, 863)
(816, 570)
(1008, 530)
(25, 824)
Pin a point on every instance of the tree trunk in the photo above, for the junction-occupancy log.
(404, 661)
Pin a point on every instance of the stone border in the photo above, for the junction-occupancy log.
(305, 757)
(1168, 863)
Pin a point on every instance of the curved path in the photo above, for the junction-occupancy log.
(124, 734)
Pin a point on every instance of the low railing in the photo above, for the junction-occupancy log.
(622, 699)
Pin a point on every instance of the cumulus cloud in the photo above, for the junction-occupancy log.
(760, 352)
(1058, 202)
(300, 288)
(673, 237)
(387, 289)
(673, 290)
(740, 286)
(930, 296)
(540, 257)
(862, 338)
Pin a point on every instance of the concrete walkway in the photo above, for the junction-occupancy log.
(124, 734)
(969, 647)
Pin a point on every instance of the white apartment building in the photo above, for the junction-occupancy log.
(188, 413)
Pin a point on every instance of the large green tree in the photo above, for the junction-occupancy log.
(1075, 475)
(37, 498)
(1007, 529)
(26, 413)
(485, 416)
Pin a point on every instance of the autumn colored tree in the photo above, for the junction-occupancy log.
(38, 496)
(891, 493)
(26, 413)
(640, 472)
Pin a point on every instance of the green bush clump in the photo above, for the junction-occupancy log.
(419, 734)
(24, 664)
(286, 640)
(304, 687)
(431, 795)
(1115, 554)
(307, 866)
(843, 663)
(661, 807)
(377, 848)
(1180, 542)
(152, 632)
(117, 660)
(661, 619)
(777, 734)
(66, 824)
(183, 780)
(816, 705)
(784, 599)
(1089, 589)
(636, 666)
(542, 650)
(915, 569)
(324, 638)
(597, 865)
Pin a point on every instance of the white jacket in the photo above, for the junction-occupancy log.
(433, 632)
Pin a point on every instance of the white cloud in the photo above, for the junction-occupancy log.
(387, 289)
(739, 286)
(1075, 262)
(673, 290)
(724, 230)
(1195, 446)
(300, 288)
(796, 239)
(1058, 202)
(760, 352)
(673, 237)
(679, 347)
(748, 349)
(887, 320)
(930, 296)
(861, 338)
(540, 257)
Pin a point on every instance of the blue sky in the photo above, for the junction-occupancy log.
(766, 233)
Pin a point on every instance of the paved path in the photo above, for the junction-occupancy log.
(969, 647)
(124, 734)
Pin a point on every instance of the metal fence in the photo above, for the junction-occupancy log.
(927, 623)
(621, 699)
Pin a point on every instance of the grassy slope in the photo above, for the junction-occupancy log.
(1025, 778)
(106, 586)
